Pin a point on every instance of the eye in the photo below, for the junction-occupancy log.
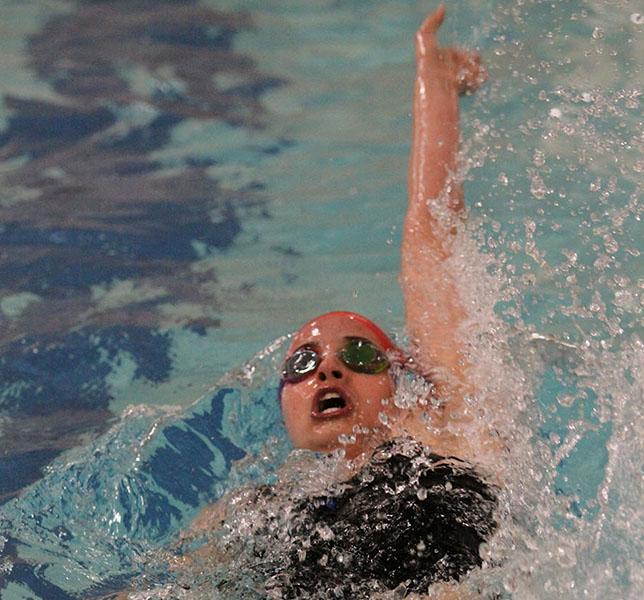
(302, 362)
(363, 357)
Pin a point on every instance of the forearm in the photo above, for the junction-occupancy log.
(435, 143)
(429, 290)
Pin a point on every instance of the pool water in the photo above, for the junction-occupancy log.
(184, 183)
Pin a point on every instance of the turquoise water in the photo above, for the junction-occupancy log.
(185, 183)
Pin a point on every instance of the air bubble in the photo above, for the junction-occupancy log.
(598, 33)
(637, 18)
(421, 493)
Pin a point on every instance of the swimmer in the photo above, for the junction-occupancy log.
(338, 384)
(347, 354)
(339, 379)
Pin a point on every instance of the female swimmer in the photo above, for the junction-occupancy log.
(410, 516)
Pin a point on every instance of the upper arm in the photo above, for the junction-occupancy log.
(433, 311)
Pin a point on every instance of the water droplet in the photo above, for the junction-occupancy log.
(598, 33)
(566, 556)
(346, 439)
(324, 531)
(626, 300)
(537, 188)
(383, 418)
(610, 244)
(509, 584)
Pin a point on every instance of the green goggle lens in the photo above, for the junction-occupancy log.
(363, 357)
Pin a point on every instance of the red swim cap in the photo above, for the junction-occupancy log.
(381, 337)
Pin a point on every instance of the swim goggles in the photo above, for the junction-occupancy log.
(358, 354)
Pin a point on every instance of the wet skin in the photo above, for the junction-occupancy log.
(363, 394)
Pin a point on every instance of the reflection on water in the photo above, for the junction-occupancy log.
(118, 215)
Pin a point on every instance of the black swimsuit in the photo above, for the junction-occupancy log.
(409, 518)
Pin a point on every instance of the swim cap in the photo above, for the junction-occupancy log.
(381, 337)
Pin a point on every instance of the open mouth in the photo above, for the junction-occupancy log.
(330, 403)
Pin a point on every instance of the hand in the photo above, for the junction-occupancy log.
(460, 68)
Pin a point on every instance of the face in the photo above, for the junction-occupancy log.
(335, 399)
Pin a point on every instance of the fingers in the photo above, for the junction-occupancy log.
(461, 68)
(426, 34)
(470, 74)
(432, 23)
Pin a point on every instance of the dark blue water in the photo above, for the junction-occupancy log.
(105, 211)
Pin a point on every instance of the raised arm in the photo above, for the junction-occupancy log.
(432, 307)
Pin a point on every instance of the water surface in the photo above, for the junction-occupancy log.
(183, 183)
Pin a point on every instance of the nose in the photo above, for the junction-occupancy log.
(329, 369)
(335, 373)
